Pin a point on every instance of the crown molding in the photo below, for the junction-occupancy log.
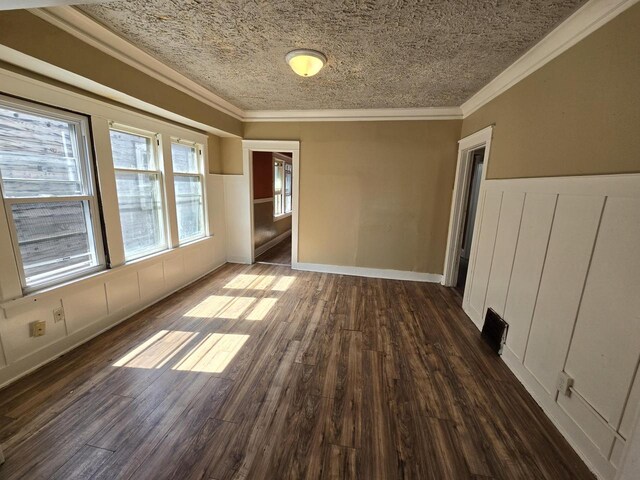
(591, 16)
(354, 115)
(92, 32)
(587, 19)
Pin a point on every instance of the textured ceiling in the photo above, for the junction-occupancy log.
(382, 53)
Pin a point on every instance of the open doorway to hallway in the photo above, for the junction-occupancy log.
(272, 193)
(471, 207)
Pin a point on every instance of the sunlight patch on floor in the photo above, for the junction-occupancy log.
(213, 354)
(242, 281)
(261, 309)
(283, 284)
(221, 306)
(157, 350)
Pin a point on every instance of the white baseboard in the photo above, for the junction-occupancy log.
(28, 364)
(369, 272)
(242, 260)
(272, 243)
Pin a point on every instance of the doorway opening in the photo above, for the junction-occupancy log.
(466, 208)
(272, 207)
(469, 216)
(274, 200)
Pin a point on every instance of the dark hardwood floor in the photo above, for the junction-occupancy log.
(261, 372)
(277, 255)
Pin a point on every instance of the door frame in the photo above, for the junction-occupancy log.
(466, 146)
(285, 146)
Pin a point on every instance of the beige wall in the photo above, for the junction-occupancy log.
(231, 153)
(372, 194)
(23, 31)
(215, 154)
(577, 115)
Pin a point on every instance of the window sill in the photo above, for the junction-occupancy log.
(280, 217)
(99, 276)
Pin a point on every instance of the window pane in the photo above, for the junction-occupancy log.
(277, 177)
(184, 158)
(38, 155)
(140, 203)
(132, 151)
(53, 238)
(189, 207)
(287, 187)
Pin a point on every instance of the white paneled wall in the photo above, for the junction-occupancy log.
(95, 304)
(559, 258)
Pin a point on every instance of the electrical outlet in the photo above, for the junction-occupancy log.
(38, 328)
(58, 314)
(564, 384)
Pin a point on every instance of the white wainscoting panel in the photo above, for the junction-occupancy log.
(84, 306)
(559, 259)
(606, 343)
(531, 251)
(506, 242)
(151, 281)
(480, 266)
(570, 246)
(98, 302)
(122, 292)
(238, 218)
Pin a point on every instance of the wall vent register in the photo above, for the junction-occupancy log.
(494, 331)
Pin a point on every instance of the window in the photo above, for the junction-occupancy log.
(282, 178)
(48, 189)
(188, 181)
(140, 193)
(288, 170)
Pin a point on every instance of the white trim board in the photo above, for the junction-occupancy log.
(272, 243)
(354, 115)
(591, 16)
(370, 272)
(245, 222)
(466, 146)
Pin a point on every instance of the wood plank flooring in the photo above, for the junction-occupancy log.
(279, 254)
(261, 372)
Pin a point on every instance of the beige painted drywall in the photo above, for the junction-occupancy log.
(215, 154)
(577, 115)
(26, 33)
(231, 153)
(372, 194)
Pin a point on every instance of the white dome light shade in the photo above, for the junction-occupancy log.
(306, 63)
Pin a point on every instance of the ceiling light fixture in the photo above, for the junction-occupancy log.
(306, 63)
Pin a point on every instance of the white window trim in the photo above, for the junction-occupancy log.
(89, 180)
(201, 175)
(101, 114)
(160, 173)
